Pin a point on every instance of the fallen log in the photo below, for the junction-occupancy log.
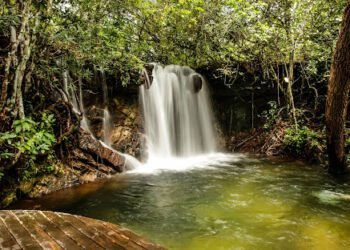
(92, 146)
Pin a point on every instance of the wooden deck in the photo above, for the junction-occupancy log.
(32, 229)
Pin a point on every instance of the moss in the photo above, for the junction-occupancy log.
(8, 198)
(26, 186)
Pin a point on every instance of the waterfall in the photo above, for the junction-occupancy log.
(177, 113)
(84, 123)
(107, 127)
(107, 121)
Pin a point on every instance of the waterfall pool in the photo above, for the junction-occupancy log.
(236, 203)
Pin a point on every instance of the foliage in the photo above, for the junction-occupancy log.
(123, 35)
(347, 142)
(270, 115)
(301, 140)
(29, 139)
(347, 148)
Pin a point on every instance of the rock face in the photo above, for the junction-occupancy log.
(127, 134)
(126, 129)
(197, 83)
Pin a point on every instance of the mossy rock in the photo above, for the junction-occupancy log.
(26, 186)
(8, 198)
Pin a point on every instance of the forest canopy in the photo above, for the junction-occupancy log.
(124, 35)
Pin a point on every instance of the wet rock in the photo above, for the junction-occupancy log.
(92, 146)
(197, 83)
(88, 177)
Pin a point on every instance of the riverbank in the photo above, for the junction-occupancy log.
(282, 140)
(78, 159)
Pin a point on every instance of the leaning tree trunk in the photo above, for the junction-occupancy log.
(337, 99)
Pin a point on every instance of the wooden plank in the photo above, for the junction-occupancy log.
(112, 235)
(7, 241)
(30, 229)
(71, 231)
(15, 227)
(42, 237)
(60, 237)
(132, 236)
(92, 232)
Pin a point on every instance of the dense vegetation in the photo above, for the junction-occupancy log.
(286, 44)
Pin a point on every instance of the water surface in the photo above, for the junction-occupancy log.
(243, 204)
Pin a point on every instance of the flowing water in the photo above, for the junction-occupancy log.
(220, 202)
(107, 127)
(178, 117)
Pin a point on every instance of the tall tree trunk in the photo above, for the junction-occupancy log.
(24, 55)
(290, 83)
(9, 61)
(337, 99)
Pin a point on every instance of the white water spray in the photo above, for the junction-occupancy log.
(178, 119)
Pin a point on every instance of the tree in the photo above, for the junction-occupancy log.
(337, 98)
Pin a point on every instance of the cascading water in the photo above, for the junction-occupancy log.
(178, 122)
(177, 113)
(107, 121)
(107, 127)
(84, 121)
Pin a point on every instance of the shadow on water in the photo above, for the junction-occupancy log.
(247, 204)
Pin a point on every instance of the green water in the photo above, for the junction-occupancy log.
(250, 204)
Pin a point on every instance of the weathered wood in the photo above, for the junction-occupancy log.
(54, 232)
(132, 237)
(37, 232)
(31, 229)
(7, 241)
(72, 232)
(123, 240)
(22, 235)
(92, 232)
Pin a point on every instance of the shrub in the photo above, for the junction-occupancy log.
(301, 141)
(270, 115)
(29, 139)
